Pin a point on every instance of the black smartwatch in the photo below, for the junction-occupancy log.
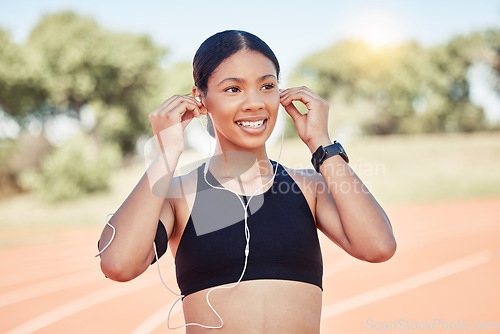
(323, 153)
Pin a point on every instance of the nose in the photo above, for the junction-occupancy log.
(253, 101)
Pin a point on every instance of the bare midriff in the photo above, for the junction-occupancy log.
(257, 306)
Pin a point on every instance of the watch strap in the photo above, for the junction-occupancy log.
(323, 153)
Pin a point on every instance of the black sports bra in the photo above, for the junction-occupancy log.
(283, 237)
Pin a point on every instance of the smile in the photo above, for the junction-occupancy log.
(254, 125)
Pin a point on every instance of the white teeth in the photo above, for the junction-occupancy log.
(251, 124)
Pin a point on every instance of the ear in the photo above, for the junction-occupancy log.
(198, 95)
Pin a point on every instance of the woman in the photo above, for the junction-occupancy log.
(276, 275)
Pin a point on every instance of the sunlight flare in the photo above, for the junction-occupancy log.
(378, 27)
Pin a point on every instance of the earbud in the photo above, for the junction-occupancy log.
(197, 98)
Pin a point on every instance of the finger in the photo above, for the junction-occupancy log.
(182, 106)
(179, 101)
(166, 106)
(190, 104)
(295, 90)
(301, 88)
(292, 111)
(298, 91)
(298, 95)
(184, 110)
(289, 92)
(190, 110)
(175, 100)
(287, 95)
(188, 115)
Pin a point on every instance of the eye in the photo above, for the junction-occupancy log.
(268, 86)
(232, 89)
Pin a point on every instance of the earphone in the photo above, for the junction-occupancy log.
(247, 238)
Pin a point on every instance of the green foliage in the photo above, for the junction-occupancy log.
(20, 86)
(76, 168)
(402, 89)
(85, 64)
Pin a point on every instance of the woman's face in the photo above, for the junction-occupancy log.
(243, 99)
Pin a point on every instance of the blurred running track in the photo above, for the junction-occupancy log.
(444, 278)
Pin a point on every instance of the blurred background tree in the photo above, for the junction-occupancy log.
(21, 88)
(70, 67)
(114, 73)
(72, 170)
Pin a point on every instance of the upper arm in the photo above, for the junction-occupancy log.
(177, 209)
(176, 197)
(352, 219)
(327, 214)
(167, 222)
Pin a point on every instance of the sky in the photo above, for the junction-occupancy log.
(293, 29)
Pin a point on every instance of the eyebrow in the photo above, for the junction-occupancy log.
(240, 80)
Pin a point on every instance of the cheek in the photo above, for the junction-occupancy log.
(220, 105)
(220, 111)
(273, 103)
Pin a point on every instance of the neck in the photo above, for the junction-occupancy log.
(244, 165)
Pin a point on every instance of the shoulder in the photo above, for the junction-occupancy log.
(303, 177)
(307, 180)
(183, 186)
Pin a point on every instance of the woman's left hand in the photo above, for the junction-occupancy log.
(312, 127)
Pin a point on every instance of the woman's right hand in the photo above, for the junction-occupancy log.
(171, 118)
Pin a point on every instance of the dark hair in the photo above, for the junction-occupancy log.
(217, 48)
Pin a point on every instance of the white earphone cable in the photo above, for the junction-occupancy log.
(112, 235)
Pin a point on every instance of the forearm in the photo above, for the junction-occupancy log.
(136, 222)
(367, 229)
